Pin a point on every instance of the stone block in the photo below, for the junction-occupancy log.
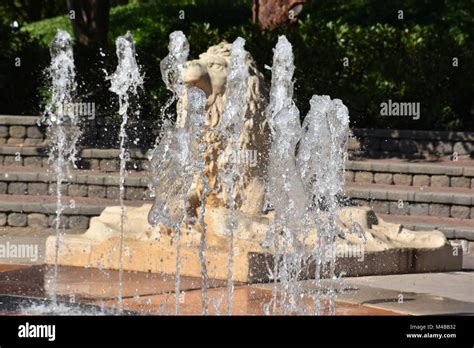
(76, 190)
(33, 161)
(17, 188)
(78, 221)
(113, 192)
(439, 210)
(419, 209)
(109, 165)
(97, 191)
(3, 219)
(17, 219)
(402, 179)
(460, 181)
(37, 220)
(34, 132)
(15, 141)
(440, 181)
(37, 188)
(381, 207)
(383, 178)
(17, 131)
(460, 211)
(4, 132)
(399, 208)
(3, 188)
(134, 193)
(421, 180)
(349, 176)
(365, 177)
(64, 221)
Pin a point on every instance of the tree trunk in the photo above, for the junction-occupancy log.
(90, 20)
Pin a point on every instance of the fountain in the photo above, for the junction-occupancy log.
(125, 82)
(217, 217)
(63, 127)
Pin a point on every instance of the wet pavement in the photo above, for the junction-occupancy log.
(143, 293)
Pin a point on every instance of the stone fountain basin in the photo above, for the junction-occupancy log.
(390, 249)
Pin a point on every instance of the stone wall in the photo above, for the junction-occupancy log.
(385, 143)
(102, 133)
(15, 130)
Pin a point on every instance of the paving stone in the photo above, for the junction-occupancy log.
(96, 191)
(440, 181)
(17, 131)
(402, 179)
(17, 188)
(460, 212)
(366, 177)
(78, 221)
(34, 132)
(76, 190)
(3, 219)
(421, 180)
(37, 188)
(439, 210)
(17, 219)
(419, 209)
(383, 178)
(460, 181)
(37, 220)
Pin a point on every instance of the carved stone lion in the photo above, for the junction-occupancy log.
(209, 73)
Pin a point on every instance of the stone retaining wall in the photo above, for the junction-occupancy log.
(16, 130)
(374, 143)
(97, 185)
(97, 133)
(409, 174)
(383, 143)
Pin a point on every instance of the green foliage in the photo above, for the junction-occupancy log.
(402, 60)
